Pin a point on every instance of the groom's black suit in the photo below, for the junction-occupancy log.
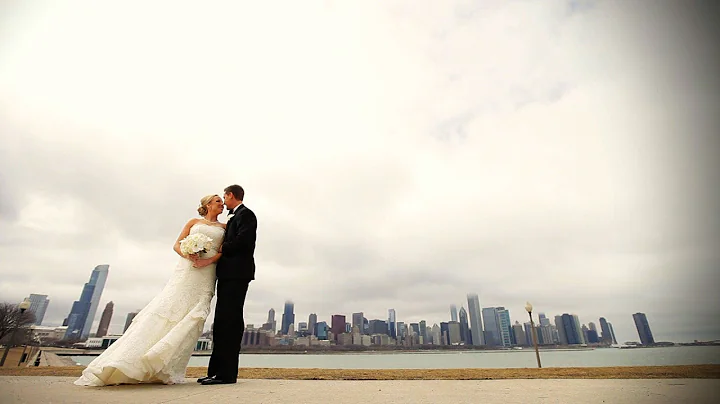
(235, 269)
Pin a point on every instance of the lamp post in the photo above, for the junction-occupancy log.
(529, 308)
(22, 306)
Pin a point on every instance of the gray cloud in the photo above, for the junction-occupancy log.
(567, 161)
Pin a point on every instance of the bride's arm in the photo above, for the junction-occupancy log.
(184, 233)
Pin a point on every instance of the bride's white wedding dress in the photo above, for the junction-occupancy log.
(158, 344)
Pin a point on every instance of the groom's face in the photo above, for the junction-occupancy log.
(229, 201)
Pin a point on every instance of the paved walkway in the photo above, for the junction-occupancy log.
(58, 390)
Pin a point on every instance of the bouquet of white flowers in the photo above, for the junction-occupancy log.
(195, 244)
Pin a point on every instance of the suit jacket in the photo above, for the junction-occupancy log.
(238, 248)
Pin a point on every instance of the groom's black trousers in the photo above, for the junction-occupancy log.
(228, 328)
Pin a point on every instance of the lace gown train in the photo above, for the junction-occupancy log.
(157, 346)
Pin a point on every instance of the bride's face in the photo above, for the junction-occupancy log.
(216, 206)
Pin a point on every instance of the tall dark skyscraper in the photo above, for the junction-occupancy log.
(445, 333)
(105, 320)
(423, 331)
(605, 334)
(312, 324)
(288, 317)
(572, 332)
(464, 328)
(392, 326)
(643, 329)
(83, 311)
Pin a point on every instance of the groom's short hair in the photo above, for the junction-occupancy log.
(237, 191)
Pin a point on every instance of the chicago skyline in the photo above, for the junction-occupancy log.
(494, 326)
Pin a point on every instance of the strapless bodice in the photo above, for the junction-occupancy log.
(216, 233)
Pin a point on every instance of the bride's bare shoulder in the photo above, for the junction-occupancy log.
(190, 223)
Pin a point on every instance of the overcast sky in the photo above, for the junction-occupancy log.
(398, 154)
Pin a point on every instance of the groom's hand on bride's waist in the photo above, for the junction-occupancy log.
(202, 262)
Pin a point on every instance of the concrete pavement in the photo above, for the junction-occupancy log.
(60, 390)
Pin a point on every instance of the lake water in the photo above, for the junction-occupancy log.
(603, 357)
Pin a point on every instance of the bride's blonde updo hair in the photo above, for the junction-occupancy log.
(203, 209)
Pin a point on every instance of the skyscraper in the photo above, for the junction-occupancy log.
(105, 320)
(378, 327)
(453, 333)
(519, 334)
(453, 313)
(571, 329)
(129, 319)
(392, 326)
(476, 327)
(271, 318)
(312, 323)
(423, 331)
(38, 306)
(505, 326)
(612, 333)
(321, 330)
(337, 324)
(529, 335)
(444, 333)
(605, 334)
(357, 321)
(415, 331)
(436, 334)
(83, 311)
(400, 329)
(585, 332)
(288, 317)
(643, 329)
(464, 328)
(491, 323)
(560, 327)
(576, 319)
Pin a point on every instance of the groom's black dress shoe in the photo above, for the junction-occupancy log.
(214, 380)
(202, 379)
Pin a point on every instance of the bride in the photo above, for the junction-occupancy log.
(161, 338)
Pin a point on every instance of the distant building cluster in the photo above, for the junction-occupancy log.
(475, 326)
(487, 327)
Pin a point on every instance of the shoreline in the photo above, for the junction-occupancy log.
(617, 372)
(66, 353)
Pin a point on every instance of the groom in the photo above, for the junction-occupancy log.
(235, 269)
